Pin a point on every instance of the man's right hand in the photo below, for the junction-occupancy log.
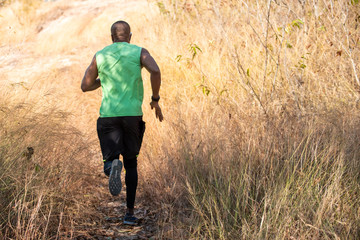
(158, 112)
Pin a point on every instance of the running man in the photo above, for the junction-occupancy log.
(120, 126)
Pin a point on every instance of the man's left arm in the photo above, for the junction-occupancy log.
(89, 81)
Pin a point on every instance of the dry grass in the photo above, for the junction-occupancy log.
(46, 167)
(43, 176)
(262, 123)
(261, 102)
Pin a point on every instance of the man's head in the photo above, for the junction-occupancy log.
(120, 32)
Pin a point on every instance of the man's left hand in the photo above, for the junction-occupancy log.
(158, 112)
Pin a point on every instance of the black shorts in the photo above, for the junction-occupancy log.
(120, 135)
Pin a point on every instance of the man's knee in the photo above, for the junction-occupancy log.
(130, 163)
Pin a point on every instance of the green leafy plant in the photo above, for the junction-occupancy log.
(162, 8)
(194, 48)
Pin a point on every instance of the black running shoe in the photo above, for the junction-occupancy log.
(107, 168)
(114, 178)
(130, 219)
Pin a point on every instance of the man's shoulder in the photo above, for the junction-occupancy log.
(135, 50)
(112, 46)
(135, 46)
(106, 48)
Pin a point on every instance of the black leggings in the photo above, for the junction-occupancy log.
(123, 135)
(131, 181)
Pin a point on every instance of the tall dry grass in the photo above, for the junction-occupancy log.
(43, 171)
(261, 104)
(46, 169)
(261, 101)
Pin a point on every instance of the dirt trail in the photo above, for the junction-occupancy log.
(63, 43)
(110, 210)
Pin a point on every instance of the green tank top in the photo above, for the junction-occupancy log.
(119, 71)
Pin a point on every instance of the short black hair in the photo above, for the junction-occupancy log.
(120, 30)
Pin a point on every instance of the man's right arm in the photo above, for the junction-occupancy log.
(89, 81)
(149, 63)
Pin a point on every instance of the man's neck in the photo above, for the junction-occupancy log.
(120, 41)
